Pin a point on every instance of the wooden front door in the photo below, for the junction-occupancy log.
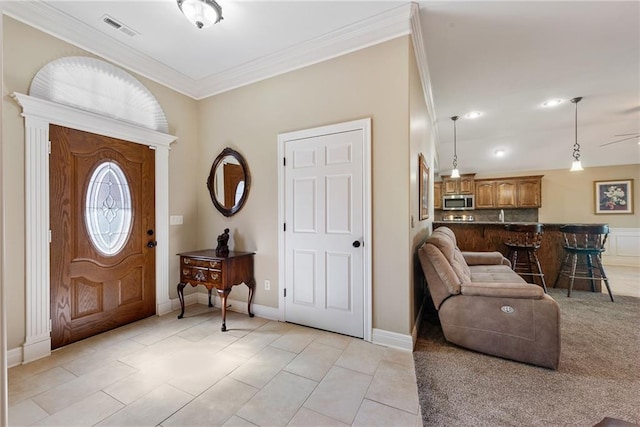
(102, 220)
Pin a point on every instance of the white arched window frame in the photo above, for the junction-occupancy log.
(39, 113)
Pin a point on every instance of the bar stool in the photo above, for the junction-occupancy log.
(523, 242)
(585, 242)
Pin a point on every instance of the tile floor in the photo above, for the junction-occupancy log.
(169, 372)
(624, 280)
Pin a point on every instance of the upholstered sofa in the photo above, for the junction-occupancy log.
(485, 306)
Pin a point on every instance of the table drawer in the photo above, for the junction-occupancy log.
(203, 275)
(215, 264)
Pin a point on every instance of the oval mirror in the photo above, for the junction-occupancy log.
(229, 182)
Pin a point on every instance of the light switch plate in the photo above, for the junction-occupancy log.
(175, 220)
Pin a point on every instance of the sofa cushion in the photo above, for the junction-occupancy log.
(444, 241)
(502, 290)
(494, 273)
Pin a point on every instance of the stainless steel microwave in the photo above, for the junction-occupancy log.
(458, 202)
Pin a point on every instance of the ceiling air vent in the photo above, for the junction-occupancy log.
(113, 23)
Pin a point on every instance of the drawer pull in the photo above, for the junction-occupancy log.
(187, 261)
(215, 276)
(185, 271)
(214, 264)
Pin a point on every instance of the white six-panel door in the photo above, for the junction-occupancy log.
(324, 252)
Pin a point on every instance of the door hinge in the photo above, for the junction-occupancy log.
(284, 161)
(284, 228)
(285, 292)
(50, 325)
(50, 236)
(49, 146)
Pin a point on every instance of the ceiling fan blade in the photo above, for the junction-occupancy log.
(628, 134)
(620, 140)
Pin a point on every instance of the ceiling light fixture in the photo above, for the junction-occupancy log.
(499, 152)
(576, 165)
(552, 103)
(201, 13)
(473, 115)
(455, 173)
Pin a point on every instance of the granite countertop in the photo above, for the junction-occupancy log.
(554, 224)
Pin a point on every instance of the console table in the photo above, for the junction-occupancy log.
(219, 272)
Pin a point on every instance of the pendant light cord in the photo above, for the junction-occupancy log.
(455, 151)
(576, 146)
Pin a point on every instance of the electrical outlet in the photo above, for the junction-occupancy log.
(267, 285)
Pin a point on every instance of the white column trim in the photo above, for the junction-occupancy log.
(38, 338)
(39, 114)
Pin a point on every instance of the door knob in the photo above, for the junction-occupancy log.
(152, 244)
(356, 244)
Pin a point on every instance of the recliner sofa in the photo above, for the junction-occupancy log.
(485, 306)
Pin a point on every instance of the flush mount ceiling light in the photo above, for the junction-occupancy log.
(455, 173)
(552, 103)
(201, 13)
(473, 115)
(499, 152)
(576, 165)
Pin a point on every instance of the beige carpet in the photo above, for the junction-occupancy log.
(599, 373)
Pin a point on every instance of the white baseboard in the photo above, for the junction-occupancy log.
(14, 357)
(263, 311)
(392, 339)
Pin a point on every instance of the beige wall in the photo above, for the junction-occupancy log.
(26, 50)
(568, 197)
(372, 82)
(421, 141)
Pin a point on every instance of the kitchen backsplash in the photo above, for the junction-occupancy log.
(492, 215)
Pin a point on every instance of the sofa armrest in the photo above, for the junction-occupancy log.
(485, 258)
(502, 290)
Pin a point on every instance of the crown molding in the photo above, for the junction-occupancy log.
(423, 69)
(50, 20)
(368, 32)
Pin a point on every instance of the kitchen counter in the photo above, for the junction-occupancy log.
(480, 236)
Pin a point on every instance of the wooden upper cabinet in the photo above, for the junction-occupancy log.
(462, 185)
(509, 193)
(530, 192)
(437, 195)
(506, 194)
(485, 194)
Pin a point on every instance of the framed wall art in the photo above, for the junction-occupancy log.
(614, 197)
(423, 178)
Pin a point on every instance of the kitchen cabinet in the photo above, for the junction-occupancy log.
(508, 193)
(462, 185)
(530, 192)
(485, 194)
(437, 195)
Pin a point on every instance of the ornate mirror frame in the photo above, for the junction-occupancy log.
(211, 182)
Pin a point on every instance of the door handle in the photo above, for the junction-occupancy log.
(152, 244)
(356, 243)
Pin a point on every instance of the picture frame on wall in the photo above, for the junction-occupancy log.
(614, 197)
(423, 184)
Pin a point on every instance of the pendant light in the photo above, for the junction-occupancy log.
(576, 165)
(455, 173)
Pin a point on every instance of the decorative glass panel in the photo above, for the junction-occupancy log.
(108, 213)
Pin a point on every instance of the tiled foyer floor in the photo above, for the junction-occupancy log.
(170, 372)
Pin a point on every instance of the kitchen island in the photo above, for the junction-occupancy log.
(489, 236)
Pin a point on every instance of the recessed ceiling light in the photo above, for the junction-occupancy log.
(552, 103)
(473, 115)
(499, 152)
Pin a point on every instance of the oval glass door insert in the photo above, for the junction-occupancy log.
(108, 213)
